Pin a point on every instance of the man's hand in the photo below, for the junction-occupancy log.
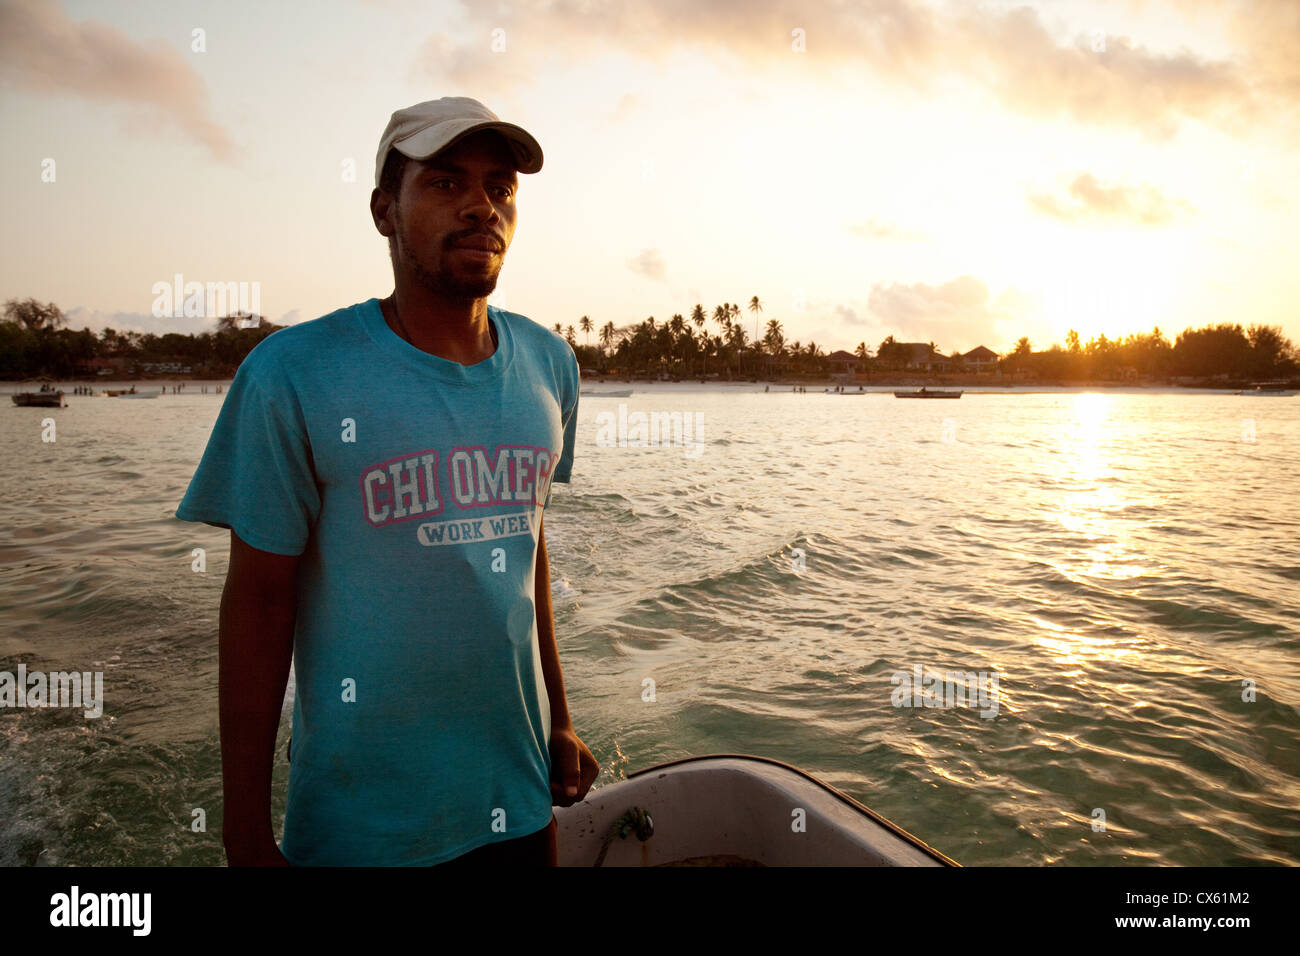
(573, 768)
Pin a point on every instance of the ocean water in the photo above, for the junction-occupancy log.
(1118, 572)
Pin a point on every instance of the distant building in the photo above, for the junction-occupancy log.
(842, 362)
(101, 366)
(980, 359)
(921, 355)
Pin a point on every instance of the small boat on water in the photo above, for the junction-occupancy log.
(129, 393)
(930, 393)
(1269, 389)
(48, 396)
(618, 393)
(731, 810)
(45, 398)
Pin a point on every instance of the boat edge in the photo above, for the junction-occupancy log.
(841, 795)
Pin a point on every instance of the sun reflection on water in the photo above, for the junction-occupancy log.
(1093, 496)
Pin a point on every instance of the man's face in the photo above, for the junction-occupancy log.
(464, 195)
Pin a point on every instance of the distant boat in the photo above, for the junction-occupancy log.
(930, 393)
(129, 393)
(1269, 389)
(45, 398)
(730, 810)
(619, 393)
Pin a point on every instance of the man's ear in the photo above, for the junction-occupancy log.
(380, 205)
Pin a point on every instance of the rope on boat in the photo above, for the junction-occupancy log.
(635, 820)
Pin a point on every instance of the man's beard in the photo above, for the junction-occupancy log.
(445, 282)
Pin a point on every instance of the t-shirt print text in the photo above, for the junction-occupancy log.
(420, 484)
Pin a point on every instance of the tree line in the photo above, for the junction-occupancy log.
(1222, 350)
(34, 343)
(682, 348)
(705, 345)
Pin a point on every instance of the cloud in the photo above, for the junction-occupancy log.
(1267, 35)
(874, 228)
(42, 50)
(1090, 201)
(848, 315)
(956, 314)
(1105, 81)
(142, 322)
(650, 264)
(1100, 80)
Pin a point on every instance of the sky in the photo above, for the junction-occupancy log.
(957, 172)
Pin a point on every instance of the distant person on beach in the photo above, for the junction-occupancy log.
(384, 471)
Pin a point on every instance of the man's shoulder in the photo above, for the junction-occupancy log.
(307, 343)
(534, 333)
(535, 339)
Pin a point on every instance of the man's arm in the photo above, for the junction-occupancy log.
(258, 609)
(573, 767)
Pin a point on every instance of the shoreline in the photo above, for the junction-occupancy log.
(195, 386)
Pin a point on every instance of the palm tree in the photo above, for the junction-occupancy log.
(738, 339)
(677, 327)
(755, 307)
(717, 346)
(722, 316)
(774, 339)
(558, 329)
(697, 316)
(607, 334)
(585, 324)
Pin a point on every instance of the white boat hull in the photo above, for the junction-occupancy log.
(734, 810)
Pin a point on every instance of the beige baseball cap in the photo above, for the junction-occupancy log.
(421, 130)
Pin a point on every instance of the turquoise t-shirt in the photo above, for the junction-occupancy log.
(413, 487)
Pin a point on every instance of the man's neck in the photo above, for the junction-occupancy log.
(457, 330)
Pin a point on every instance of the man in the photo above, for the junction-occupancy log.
(383, 471)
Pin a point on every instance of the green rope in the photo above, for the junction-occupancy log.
(636, 821)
